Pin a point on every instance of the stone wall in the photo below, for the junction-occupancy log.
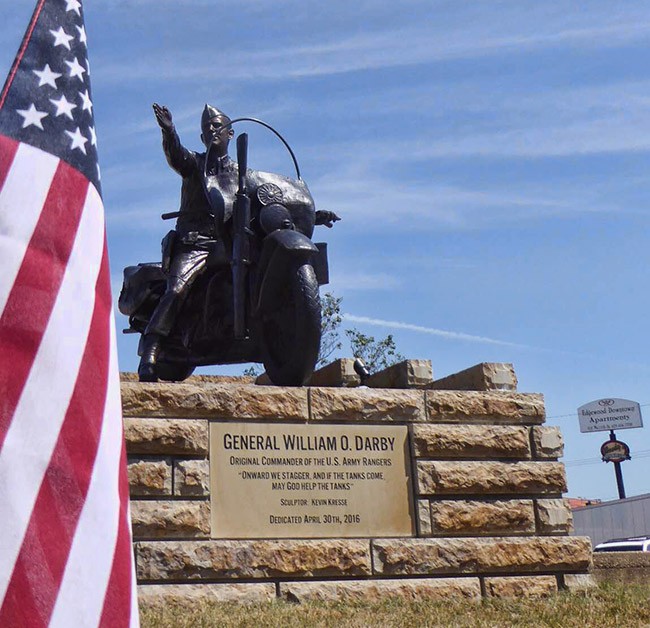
(487, 487)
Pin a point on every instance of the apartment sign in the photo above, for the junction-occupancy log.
(603, 415)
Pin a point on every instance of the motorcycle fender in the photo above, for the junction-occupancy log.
(281, 249)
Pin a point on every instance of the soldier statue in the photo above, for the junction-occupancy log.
(239, 275)
(195, 224)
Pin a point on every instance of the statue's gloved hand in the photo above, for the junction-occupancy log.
(163, 117)
(327, 218)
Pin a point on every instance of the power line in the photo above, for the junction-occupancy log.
(583, 462)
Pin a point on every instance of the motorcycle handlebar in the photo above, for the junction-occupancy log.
(277, 134)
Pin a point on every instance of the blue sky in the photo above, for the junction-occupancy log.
(489, 161)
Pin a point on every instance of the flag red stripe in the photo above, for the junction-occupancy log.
(24, 319)
(117, 603)
(8, 150)
(38, 572)
(21, 52)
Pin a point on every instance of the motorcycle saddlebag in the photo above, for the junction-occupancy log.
(141, 282)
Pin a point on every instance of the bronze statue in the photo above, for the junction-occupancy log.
(239, 276)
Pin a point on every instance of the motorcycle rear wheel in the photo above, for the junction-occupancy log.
(291, 334)
(173, 372)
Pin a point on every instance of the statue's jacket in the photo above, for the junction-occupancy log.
(195, 212)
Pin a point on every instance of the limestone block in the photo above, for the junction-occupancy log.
(227, 401)
(380, 590)
(166, 436)
(547, 442)
(191, 478)
(554, 516)
(220, 379)
(479, 518)
(366, 404)
(579, 582)
(484, 376)
(508, 555)
(521, 586)
(490, 407)
(406, 374)
(180, 594)
(338, 373)
(479, 478)
(424, 517)
(471, 441)
(196, 560)
(126, 376)
(170, 519)
(150, 477)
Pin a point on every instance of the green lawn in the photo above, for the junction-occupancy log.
(620, 606)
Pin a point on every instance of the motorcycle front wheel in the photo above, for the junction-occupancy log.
(291, 333)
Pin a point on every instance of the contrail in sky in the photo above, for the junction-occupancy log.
(449, 335)
(459, 335)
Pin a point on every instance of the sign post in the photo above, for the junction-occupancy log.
(611, 414)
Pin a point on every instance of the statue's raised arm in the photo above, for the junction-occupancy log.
(163, 117)
(181, 159)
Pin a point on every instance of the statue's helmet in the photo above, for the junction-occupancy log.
(210, 112)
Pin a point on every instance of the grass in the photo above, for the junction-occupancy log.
(612, 605)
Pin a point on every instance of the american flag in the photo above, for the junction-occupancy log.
(65, 539)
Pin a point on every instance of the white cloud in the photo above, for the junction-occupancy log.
(621, 133)
(477, 31)
(442, 333)
(610, 117)
(140, 215)
(363, 198)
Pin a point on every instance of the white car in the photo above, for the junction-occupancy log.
(633, 544)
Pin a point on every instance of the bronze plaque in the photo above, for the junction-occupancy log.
(309, 481)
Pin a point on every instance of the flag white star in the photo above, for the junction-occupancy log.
(87, 104)
(82, 34)
(63, 107)
(76, 69)
(73, 5)
(32, 116)
(78, 140)
(93, 136)
(46, 76)
(61, 38)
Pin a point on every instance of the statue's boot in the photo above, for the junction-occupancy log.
(147, 367)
